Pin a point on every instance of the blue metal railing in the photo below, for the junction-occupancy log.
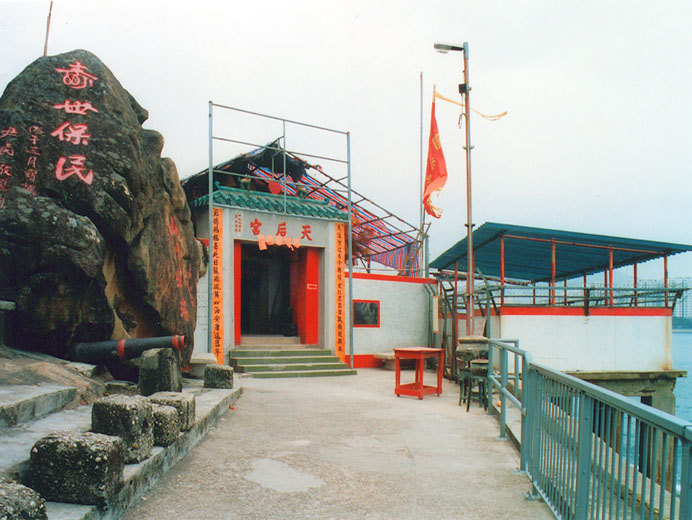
(591, 453)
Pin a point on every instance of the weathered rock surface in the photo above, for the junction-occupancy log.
(20, 502)
(183, 403)
(80, 468)
(159, 371)
(166, 425)
(19, 367)
(128, 417)
(218, 376)
(96, 241)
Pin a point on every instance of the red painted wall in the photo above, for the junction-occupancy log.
(237, 263)
(305, 275)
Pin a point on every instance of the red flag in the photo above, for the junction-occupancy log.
(436, 168)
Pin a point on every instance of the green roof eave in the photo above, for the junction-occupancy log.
(270, 203)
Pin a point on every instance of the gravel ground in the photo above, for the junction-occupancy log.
(345, 448)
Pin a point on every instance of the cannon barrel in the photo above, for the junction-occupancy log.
(98, 352)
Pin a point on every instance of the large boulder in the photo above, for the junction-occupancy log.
(96, 240)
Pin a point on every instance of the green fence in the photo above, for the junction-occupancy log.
(591, 453)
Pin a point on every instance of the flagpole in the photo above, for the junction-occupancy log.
(45, 45)
(420, 199)
(470, 274)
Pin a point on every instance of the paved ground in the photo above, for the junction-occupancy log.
(345, 448)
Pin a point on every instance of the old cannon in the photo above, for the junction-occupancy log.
(100, 352)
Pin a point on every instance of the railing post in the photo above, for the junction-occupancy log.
(526, 414)
(503, 398)
(491, 371)
(686, 481)
(584, 447)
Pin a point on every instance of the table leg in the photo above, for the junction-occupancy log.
(440, 370)
(397, 377)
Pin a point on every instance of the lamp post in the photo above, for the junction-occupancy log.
(464, 90)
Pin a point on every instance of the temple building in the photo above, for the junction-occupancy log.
(279, 262)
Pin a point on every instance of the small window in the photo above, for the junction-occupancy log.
(366, 313)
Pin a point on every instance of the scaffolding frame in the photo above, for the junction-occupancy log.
(210, 191)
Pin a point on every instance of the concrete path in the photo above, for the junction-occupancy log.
(345, 448)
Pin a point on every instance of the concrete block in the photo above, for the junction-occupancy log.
(128, 417)
(166, 425)
(159, 371)
(199, 362)
(80, 468)
(218, 376)
(20, 502)
(183, 403)
(121, 387)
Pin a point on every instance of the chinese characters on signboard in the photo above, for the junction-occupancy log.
(280, 237)
(340, 295)
(217, 287)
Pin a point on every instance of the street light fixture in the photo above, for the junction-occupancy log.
(464, 89)
(444, 48)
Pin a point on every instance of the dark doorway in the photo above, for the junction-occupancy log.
(265, 290)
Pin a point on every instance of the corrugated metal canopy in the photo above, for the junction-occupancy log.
(528, 252)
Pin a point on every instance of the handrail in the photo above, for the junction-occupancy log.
(589, 451)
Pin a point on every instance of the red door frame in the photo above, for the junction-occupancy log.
(305, 276)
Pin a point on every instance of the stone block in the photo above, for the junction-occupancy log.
(21, 502)
(121, 387)
(183, 403)
(218, 376)
(128, 417)
(166, 425)
(80, 468)
(159, 371)
(199, 361)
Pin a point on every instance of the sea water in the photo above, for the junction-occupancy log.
(682, 360)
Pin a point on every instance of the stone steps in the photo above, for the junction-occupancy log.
(268, 360)
(293, 367)
(273, 353)
(306, 362)
(306, 373)
(24, 403)
(16, 443)
(252, 340)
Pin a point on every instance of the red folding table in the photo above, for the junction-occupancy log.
(417, 388)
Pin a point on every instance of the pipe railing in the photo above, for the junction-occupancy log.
(574, 296)
(591, 453)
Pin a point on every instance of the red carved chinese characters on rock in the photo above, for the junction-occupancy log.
(76, 107)
(76, 77)
(75, 134)
(76, 167)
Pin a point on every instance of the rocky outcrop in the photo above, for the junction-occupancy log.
(96, 241)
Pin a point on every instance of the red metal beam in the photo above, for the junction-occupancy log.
(579, 244)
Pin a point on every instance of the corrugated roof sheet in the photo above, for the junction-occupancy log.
(260, 201)
(528, 252)
(391, 242)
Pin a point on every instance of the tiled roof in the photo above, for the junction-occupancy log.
(260, 201)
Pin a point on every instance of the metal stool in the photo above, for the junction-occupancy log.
(467, 358)
(479, 377)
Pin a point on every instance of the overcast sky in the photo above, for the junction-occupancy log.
(597, 136)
